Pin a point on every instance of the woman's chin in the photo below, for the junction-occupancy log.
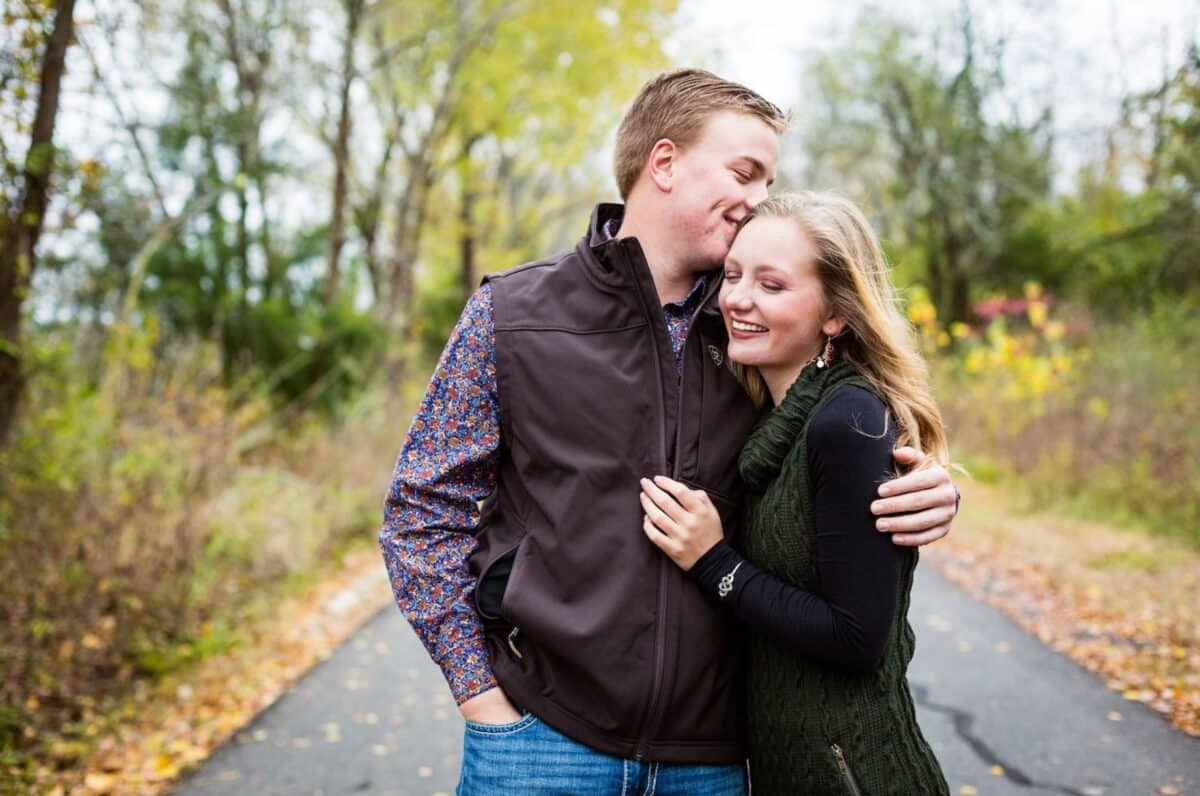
(743, 354)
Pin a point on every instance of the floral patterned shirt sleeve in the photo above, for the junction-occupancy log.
(448, 462)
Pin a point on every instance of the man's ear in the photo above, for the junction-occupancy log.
(661, 163)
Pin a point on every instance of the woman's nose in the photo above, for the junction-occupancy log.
(736, 296)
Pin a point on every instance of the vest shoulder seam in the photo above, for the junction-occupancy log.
(569, 330)
(520, 269)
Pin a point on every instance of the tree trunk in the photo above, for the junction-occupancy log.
(341, 154)
(21, 232)
(243, 229)
(954, 303)
(466, 220)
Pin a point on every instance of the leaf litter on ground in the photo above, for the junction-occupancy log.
(1120, 601)
(1123, 603)
(144, 743)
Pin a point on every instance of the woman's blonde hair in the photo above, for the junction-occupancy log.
(858, 288)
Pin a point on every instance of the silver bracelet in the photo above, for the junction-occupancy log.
(726, 583)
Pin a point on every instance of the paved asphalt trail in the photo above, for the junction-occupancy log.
(1004, 714)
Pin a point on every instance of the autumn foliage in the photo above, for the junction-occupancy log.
(146, 516)
(1079, 412)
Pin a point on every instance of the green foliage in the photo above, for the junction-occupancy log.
(155, 658)
(441, 301)
(960, 183)
(1132, 559)
(1105, 234)
(97, 487)
(1096, 420)
(204, 423)
(24, 28)
(956, 185)
(1130, 245)
(531, 107)
(1092, 413)
(12, 724)
(314, 356)
(141, 509)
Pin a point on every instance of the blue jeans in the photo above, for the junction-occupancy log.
(530, 757)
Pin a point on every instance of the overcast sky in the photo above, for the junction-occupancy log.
(1084, 55)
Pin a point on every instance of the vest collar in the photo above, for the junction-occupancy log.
(598, 226)
(600, 249)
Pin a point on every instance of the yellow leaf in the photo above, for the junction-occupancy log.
(100, 783)
(91, 641)
(997, 771)
(164, 767)
(967, 790)
(1037, 314)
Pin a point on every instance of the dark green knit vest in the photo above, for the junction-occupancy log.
(814, 729)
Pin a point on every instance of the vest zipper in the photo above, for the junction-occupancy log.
(512, 643)
(656, 327)
(847, 774)
(652, 718)
(660, 644)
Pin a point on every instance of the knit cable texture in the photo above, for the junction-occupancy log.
(800, 709)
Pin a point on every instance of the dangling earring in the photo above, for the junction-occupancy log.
(826, 357)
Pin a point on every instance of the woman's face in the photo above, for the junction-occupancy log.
(772, 299)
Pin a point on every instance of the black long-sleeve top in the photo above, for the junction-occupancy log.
(849, 454)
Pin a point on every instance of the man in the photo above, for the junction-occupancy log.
(565, 381)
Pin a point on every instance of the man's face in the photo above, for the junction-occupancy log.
(716, 181)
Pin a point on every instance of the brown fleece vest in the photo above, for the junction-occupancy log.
(599, 634)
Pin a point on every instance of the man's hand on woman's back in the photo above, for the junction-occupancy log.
(918, 507)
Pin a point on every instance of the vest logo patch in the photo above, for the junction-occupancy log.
(716, 354)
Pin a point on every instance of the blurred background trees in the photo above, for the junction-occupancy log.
(258, 220)
(235, 235)
(1058, 306)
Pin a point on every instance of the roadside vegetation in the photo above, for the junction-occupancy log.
(233, 237)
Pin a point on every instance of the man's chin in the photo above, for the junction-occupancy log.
(715, 258)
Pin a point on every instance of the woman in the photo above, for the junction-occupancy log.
(814, 327)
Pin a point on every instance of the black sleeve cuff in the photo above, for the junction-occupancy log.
(707, 572)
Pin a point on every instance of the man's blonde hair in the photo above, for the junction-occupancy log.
(675, 105)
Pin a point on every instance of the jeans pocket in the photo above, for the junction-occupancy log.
(501, 729)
